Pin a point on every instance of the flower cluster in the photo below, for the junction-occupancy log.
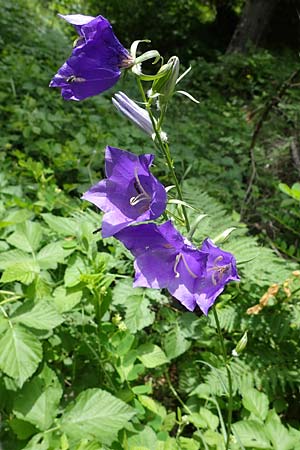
(163, 257)
(96, 60)
(130, 194)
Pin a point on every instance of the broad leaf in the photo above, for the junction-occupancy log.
(61, 225)
(138, 314)
(151, 355)
(75, 268)
(27, 237)
(252, 434)
(280, 436)
(65, 301)
(20, 353)
(41, 315)
(50, 255)
(256, 402)
(13, 257)
(38, 401)
(25, 272)
(175, 343)
(96, 414)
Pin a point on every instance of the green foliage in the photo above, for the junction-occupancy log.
(88, 362)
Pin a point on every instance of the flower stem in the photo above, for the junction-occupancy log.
(163, 146)
(225, 359)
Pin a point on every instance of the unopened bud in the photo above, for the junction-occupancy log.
(241, 345)
(165, 85)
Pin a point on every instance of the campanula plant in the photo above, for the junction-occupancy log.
(130, 194)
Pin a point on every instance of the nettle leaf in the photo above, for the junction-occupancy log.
(12, 257)
(75, 269)
(138, 314)
(96, 414)
(25, 272)
(251, 434)
(20, 353)
(175, 343)
(27, 237)
(50, 255)
(64, 300)
(144, 440)
(61, 225)
(153, 406)
(41, 315)
(280, 436)
(256, 402)
(151, 355)
(38, 401)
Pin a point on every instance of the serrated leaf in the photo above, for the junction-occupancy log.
(27, 237)
(20, 353)
(280, 436)
(175, 343)
(25, 272)
(50, 255)
(138, 314)
(151, 355)
(61, 225)
(41, 315)
(38, 401)
(153, 405)
(145, 440)
(256, 402)
(75, 269)
(252, 434)
(96, 414)
(65, 301)
(12, 257)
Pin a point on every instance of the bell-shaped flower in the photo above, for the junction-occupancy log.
(129, 194)
(96, 61)
(136, 114)
(165, 259)
(220, 269)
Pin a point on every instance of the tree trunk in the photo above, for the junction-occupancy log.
(255, 17)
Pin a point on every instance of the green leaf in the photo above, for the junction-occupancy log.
(153, 406)
(252, 434)
(38, 401)
(13, 257)
(25, 272)
(96, 414)
(256, 402)
(20, 353)
(65, 301)
(175, 343)
(280, 437)
(138, 314)
(27, 237)
(75, 268)
(41, 315)
(61, 225)
(151, 355)
(50, 255)
(145, 440)
(188, 444)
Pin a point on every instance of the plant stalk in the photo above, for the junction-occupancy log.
(225, 359)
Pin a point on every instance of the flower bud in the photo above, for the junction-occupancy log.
(165, 85)
(241, 345)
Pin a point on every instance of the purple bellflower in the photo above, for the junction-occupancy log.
(129, 194)
(220, 269)
(96, 61)
(165, 259)
(139, 116)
